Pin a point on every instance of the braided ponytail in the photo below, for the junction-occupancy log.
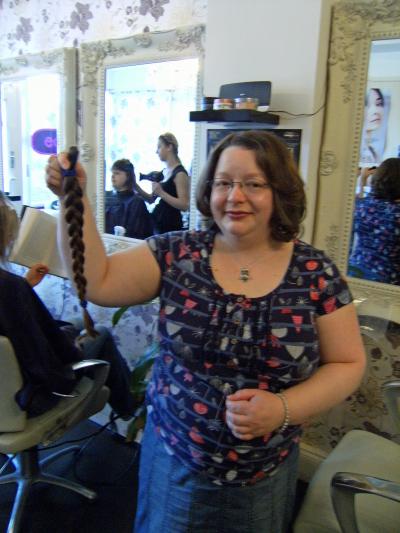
(74, 218)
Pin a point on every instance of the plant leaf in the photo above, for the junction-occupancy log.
(118, 314)
(137, 423)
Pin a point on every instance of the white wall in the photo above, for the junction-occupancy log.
(285, 42)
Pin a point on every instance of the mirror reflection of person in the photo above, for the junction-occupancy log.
(173, 191)
(363, 186)
(257, 334)
(124, 207)
(374, 129)
(375, 253)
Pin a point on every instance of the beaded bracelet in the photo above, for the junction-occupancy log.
(286, 411)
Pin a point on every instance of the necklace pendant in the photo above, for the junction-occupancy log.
(244, 274)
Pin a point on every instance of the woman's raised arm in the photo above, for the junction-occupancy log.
(123, 278)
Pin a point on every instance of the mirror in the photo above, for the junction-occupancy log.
(355, 26)
(375, 240)
(37, 106)
(133, 90)
(165, 93)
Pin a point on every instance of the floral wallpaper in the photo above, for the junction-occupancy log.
(30, 26)
(366, 408)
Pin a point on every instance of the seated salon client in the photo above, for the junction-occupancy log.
(375, 253)
(257, 331)
(42, 347)
(173, 192)
(124, 207)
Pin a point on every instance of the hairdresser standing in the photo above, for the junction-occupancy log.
(173, 191)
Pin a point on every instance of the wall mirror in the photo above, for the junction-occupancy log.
(363, 35)
(133, 90)
(374, 252)
(37, 106)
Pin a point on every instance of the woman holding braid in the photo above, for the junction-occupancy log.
(257, 334)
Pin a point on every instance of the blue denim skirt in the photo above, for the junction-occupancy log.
(173, 499)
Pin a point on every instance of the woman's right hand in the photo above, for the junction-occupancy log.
(54, 178)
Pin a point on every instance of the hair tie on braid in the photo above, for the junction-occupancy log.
(68, 172)
(74, 218)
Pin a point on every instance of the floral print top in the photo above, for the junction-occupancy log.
(213, 343)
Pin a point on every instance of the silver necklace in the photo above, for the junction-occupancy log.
(244, 274)
(244, 271)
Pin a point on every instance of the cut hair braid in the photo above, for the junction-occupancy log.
(74, 218)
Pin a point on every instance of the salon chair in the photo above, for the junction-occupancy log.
(356, 489)
(20, 437)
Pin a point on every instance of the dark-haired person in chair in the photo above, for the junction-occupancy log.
(124, 207)
(43, 348)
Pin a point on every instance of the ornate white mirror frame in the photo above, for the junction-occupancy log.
(61, 61)
(187, 42)
(354, 26)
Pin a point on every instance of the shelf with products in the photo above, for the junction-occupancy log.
(233, 115)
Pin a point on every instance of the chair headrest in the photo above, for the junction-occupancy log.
(12, 418)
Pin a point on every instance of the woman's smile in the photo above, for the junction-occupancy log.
(237, 214)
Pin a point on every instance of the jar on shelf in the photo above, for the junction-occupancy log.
(223, 103)
(246, 103)
(207, 102)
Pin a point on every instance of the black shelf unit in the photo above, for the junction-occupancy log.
(234, 115)
(291, 137)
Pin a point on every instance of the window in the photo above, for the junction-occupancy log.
(30, 122)
(142, 102)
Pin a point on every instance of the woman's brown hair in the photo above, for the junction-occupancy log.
(74, 218)
(126, 166)
(385, 180)
(275, 160)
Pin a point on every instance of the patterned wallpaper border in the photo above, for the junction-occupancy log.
(31, 26)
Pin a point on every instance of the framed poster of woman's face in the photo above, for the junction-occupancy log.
(376, 115)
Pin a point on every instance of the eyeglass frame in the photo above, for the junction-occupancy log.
(242, 184)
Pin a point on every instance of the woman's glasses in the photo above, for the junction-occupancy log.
(249, 187)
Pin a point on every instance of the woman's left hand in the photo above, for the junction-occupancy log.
(156, 187)
(252, 413)
(36, 273)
